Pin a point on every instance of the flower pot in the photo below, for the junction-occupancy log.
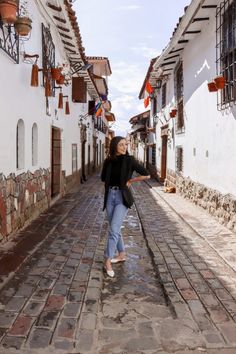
(220, 82)
(174, 112)
(56, 73)
(61, 80)
(212, 87)
(23, 26)
(8, 9)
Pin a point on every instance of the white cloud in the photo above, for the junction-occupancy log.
(126, 78)
(129, 7)
(146, 52)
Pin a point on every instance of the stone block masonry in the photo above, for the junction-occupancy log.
(222, 207)
(22, 198)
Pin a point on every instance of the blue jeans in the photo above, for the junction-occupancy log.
(116, 212)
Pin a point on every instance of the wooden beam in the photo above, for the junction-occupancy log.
(54, 7)
(197, 19)
(209, 6)
(68, 43)
(173, 56)
(192, 32)
(59, 19)
(168, 63)
(65, 36)
(176, 50)
(63, 28)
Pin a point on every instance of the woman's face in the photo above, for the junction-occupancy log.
(121, 147)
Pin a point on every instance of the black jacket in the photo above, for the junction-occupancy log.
(129, 165)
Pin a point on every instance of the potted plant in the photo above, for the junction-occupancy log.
(212, 86)
(174, 112)
(8, 10)
(60, 80)
(56, 73)
(23, 21)
(220, 82)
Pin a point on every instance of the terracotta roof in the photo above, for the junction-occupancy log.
(93, 58)
(66, 23)
(75, 26)
(143, 115)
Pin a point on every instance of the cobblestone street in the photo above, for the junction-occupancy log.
(176, 292)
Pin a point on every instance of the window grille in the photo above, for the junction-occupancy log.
(74, 158)
(226, 51)
(9, 41)
(48, 56)
(179, 159)
(179, 98)
(163, 97)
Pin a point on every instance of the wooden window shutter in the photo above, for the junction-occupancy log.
(79, 90)
(91, 107)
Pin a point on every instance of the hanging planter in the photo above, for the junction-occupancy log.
(173, 112)
(212, 86)
(61, 80)
(35, 75)
(60, 100)
(67, 109)
(47, 88)
(56, 73)
(8, 9)
(220, 82)
(23, 26)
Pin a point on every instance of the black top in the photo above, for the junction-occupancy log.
(127, 167)
(116, 171)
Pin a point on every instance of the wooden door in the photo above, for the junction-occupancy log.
(55, 161)
(163, 157)
(89, 160)
(83, 161)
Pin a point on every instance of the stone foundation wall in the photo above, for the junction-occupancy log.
(22, 198)
(153, 171)
(72, 181)
(222, 207)
(170, 180)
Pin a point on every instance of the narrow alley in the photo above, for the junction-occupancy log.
(175, 292)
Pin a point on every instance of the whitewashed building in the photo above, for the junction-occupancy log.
(50, 137)
(195, 147)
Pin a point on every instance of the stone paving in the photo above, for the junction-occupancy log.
(176, 293)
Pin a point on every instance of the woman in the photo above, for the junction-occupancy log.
(117, 174)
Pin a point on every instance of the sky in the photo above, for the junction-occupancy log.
(130, 33)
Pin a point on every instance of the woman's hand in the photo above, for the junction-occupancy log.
(137, 179)
(128, 184)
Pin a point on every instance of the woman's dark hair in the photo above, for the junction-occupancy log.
(113, 147)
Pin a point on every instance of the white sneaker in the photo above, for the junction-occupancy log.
(117, 260)
(110, 273)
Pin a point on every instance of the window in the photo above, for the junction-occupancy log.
(154, 105)
(226, 49)
(74, 158)
(179, 98)
(20, 145)
(34, 145)
(179, 159)
(163, 96)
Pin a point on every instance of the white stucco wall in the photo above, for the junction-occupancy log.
(21, 101)
(209, 137)
(208, 130)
